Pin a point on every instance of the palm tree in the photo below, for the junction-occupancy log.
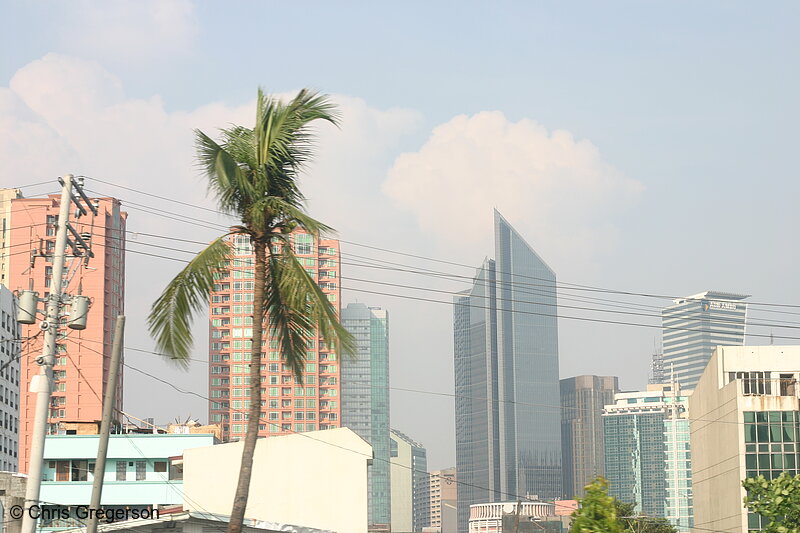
(253, 173)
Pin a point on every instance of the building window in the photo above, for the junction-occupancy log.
(160, 466)
(80, 470)
(141, 470)
(122, 470)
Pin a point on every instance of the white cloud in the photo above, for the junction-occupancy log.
(552, 187)
(63, 114)
(133, 30)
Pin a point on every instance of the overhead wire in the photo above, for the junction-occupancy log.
(574, 286)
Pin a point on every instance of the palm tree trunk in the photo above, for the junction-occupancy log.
(254, 413)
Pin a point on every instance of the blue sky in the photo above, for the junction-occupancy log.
(676, 171)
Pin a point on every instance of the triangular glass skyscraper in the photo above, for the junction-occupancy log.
(508, 420)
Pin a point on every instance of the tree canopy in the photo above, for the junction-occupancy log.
(777, 500)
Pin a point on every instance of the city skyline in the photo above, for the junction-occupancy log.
(593, 154)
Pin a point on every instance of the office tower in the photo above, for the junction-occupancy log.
(508, 423)
(648, 460)
(657, 373)
(6, 195)
(582, 444)
(443, 490)
(83, 356)
(745, 422)
(289, 406)
(10, 345)
(410, 484)
(693, 326)
(365, 398)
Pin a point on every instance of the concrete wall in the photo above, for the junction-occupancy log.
(12, 486)
(717, 431)
(317, 479)
(717, 454)
(402, 481)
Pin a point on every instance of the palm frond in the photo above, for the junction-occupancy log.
(171, 316)
(285, 217)
(285, 134)
(297, 306)
(226, 179)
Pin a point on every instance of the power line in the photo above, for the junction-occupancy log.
(574, 286)
(718, 320)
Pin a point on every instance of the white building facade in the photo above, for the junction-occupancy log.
(317, 479)
(745, 422)
(10, 350)
(488, 517)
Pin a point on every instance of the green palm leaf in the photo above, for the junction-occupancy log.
(171, 316)
(253, 174)
(297, 306)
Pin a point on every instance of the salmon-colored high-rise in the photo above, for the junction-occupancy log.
(83, 356)
(288, 406)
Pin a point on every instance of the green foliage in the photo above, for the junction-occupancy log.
(600, 513)
(626, 514)
(596, 512)
(253, 175)
(171, 316)
(777, 499)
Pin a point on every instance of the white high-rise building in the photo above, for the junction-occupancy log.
(10, 349)
(693, 326)
(745, 422)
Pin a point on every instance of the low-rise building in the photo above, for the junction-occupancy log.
(511, 517)
(745, 422)
(317, 479)
(143, 471)
(195, 522)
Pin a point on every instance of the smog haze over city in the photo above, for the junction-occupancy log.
(646, 151)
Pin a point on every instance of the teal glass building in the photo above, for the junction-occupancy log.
(365, 398)
(647, 454)
(508, 420)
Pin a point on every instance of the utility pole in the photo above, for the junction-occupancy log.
(41, 384)
(105, 426)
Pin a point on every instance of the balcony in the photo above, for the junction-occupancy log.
(758, 386)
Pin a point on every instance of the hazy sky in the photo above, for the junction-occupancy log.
(642, 146)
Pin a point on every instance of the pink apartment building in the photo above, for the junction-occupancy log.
(83, 357)
(288, 406)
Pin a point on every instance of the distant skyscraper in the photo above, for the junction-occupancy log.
(290, 407)
(693, 326)
(647, 455)
(410, 484)
(582, 444)
(443, 493)
(365, 398)
(657, 373)
(508, 441)
(82, 358)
